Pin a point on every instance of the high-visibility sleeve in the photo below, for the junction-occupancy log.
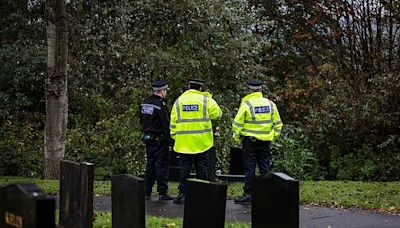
(214, 110)
(172, 125)
(277, 123)
(238, 123)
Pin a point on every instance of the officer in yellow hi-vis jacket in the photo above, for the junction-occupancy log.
(191, 128)
(256, 124)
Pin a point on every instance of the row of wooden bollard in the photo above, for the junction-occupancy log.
(275, 201)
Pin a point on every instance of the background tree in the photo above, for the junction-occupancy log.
(56, 87)
(335, 62)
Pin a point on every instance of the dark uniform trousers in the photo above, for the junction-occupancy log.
(157, 166)
(254, 152)
(200, 161)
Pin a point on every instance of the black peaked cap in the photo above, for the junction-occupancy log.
(254, 82)
(158, 85)
(197, 81)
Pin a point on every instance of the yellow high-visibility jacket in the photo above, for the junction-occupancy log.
(257, 117)
(190, 124)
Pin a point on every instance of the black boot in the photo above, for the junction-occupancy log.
(246, 198)
(180, 199)
(165, 196)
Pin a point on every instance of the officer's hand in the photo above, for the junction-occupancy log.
(171, 145)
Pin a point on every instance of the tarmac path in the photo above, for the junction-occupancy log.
(310, 216)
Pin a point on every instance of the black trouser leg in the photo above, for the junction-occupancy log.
(263, 157)
(186, 165)
(249, 163)
(162, 168)
(201, 163)
(150, 167)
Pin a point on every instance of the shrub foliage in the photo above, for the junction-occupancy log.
(331, 67)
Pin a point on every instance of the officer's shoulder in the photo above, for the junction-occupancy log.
(269, 100)
(159, 101)
(151, 100)
(148, 98)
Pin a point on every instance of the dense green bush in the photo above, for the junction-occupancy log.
(357, 166)
(22, 68)
(291, 155)
(365, 165)
(21, 150)
(113, 145)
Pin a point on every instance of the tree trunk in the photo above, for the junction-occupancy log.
(391, 38)
(56, 88)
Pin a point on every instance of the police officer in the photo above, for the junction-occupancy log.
(191, 128)
(256, 124)
(154, 117)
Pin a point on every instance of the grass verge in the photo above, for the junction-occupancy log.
(380, 196)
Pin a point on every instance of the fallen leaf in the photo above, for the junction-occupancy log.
(170, 225)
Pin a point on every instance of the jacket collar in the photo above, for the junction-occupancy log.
(252, 95)
(194, 91)
(156, 96)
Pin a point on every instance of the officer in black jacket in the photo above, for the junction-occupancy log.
(154, 117)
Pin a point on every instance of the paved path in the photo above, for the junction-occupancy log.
(309, 216)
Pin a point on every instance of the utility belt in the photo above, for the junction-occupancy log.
(152, 137)
(251, 138)
(254, 139)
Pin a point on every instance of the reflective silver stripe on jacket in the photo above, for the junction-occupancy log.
(203, 119)
(237, 124)
(192, 120)
(277, 130)
(253, 116)
(272, 109)
(151, 105)
(257, 121)
(193, 131)
(204, 106)
(178, 113)
(172, 126)
(256, 132)
(278, 123)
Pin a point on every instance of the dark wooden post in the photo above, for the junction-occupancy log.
(236, 161)
(174, 167)
(26, 206)
(204, 204)
(128, 207)
(87, 175)
(76, 194)
(275, 201)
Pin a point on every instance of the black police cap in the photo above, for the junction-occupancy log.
(197, 81)
(254, 84)
(160, 85)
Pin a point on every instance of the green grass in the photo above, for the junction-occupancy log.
(103, 220)
(48, 186)
(380, 196)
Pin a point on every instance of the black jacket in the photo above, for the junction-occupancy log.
(154, 117)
